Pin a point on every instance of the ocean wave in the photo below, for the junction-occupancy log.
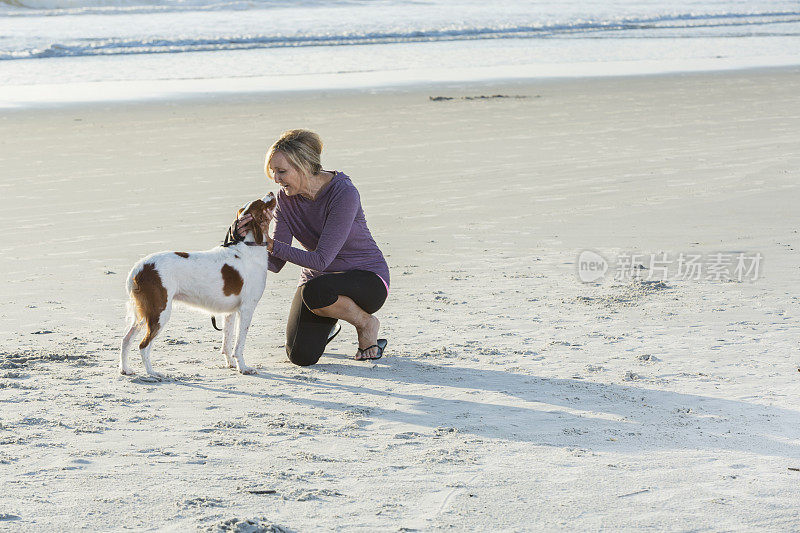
(119, 46)
(22, 8)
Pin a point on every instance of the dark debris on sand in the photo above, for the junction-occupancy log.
(480, 97)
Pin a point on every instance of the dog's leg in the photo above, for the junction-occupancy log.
(146, 359)
(228, 338)
(154, 326)
(245, 316)
(124, 368)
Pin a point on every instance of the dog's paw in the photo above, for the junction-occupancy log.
(248, 370)
(155, 374)
(127, 372)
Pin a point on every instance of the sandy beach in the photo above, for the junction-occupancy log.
(513, 397)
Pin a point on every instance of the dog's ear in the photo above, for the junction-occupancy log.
(255, 209)
(258, 235)
(244, 209)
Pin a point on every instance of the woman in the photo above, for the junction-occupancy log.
(344, 276)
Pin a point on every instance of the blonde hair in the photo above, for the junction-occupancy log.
(301, 147)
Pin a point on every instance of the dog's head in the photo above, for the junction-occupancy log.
(257, 209)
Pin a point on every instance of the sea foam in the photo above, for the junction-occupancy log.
(77, 41)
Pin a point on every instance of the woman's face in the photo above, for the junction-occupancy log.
(286, 175)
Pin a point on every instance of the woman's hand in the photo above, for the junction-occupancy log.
(246, 219)
(242, 225)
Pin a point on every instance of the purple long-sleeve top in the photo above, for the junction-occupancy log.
(332, 229)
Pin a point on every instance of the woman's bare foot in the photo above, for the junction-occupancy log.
(368, 336)
(367, 326)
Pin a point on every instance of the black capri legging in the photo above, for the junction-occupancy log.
(307, 333)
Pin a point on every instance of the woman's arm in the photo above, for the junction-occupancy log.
(338, 224)
(282, 233)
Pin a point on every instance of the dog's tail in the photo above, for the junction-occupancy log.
(133, 311)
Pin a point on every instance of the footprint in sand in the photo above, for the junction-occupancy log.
(76, 464)
(247, 524)
(304, 495)
(407, 435)
(200, 501)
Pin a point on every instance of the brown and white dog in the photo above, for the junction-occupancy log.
(225, 280)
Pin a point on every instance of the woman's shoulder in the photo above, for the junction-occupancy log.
(342, 187)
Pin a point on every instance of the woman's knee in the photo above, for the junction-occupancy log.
(316, 294)
(302, 356)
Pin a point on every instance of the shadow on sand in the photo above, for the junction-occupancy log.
(497, 404)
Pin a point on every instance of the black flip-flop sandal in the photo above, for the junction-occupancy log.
(334, 335)
(380, 346)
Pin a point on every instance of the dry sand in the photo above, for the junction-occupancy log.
(513, 397)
